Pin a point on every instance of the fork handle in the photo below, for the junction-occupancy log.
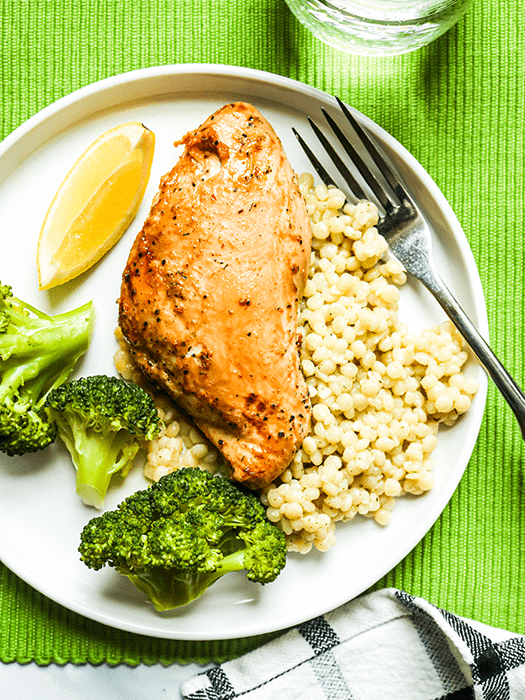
(500, 376)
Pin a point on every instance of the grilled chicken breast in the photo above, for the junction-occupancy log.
(210, 291)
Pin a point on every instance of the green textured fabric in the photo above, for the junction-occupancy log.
(458, 106)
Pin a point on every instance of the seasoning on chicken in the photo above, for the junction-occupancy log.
(209, 294)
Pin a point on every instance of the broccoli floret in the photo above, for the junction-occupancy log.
(103, 422)
(174, 539)
(25, 429)
(37, 353)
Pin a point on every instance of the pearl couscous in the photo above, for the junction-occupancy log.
(378, 391)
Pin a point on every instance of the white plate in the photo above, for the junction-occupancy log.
(40, 515)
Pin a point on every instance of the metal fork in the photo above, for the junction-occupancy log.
(409, 239)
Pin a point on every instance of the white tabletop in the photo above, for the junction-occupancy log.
(70, 682)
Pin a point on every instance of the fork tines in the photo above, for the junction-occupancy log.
(363, 169)
(319, 168)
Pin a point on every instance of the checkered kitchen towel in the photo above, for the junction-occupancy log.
(386, 645)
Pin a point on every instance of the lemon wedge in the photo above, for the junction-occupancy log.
(95, 203)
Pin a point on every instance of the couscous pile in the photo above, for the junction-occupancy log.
(378, 391)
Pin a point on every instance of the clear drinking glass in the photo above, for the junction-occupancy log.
(378, 27)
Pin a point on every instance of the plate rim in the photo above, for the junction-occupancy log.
(66, 104)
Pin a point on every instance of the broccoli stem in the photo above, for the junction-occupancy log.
(97, 456)
(171, 588)
(51, 352)
(168, 589)
(232, 562)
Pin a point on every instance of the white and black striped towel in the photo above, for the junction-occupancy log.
(386, 645)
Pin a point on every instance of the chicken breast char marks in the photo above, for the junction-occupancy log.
(209, 294)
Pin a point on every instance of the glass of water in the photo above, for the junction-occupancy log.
(378, 27)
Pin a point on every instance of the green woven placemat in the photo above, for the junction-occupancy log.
(458, 106)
